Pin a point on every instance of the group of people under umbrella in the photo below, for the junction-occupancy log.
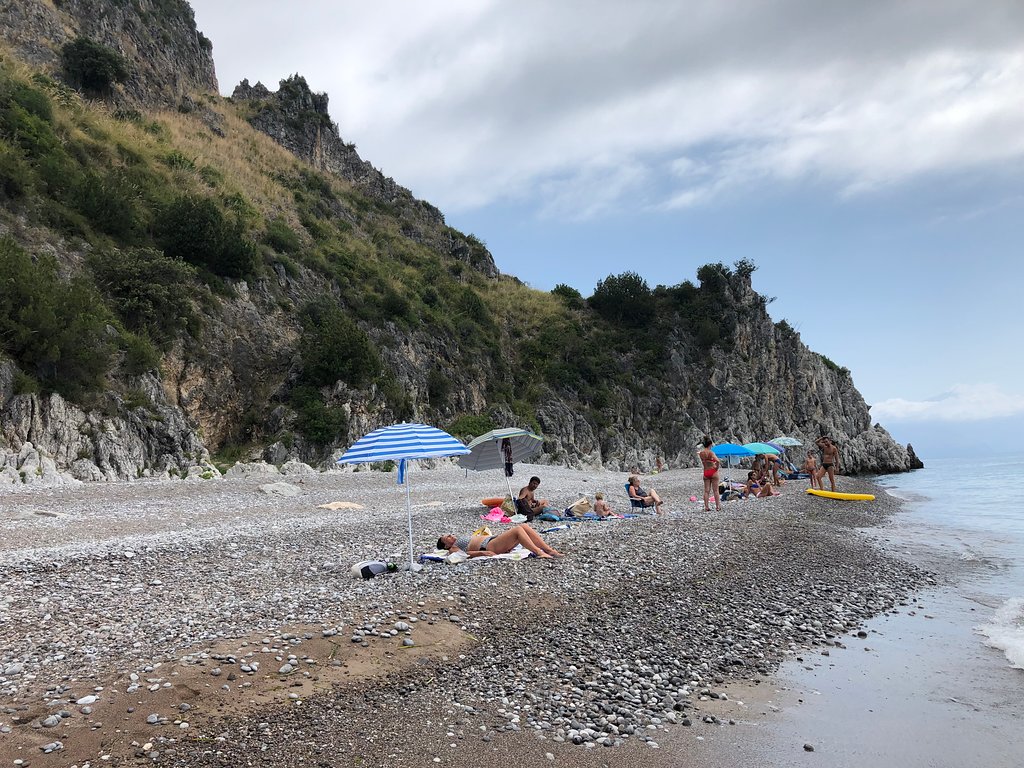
(770, 451)
(501, 449)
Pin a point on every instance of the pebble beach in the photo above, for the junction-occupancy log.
(210, 623)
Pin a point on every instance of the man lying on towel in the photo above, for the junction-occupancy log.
(499, 544)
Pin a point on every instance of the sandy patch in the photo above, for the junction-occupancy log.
(240, 677)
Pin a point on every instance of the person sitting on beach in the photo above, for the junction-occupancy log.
(810, 466)
(760, 490)
(648, 498)
(759, 467)
(527, 503)
(499, 544)
(728, 491)
(710, 463)
(601, 507)
(751, 487)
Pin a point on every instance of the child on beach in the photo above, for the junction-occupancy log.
(810, 466)
(601, 507)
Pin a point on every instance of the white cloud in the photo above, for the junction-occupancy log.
(479, 101)
(964, 402)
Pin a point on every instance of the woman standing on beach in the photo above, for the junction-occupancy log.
(710, 463)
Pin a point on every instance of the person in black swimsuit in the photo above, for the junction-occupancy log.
(829, 461)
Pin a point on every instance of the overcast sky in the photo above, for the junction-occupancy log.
(866, 156)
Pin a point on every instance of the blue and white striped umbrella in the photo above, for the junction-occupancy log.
(402, 442)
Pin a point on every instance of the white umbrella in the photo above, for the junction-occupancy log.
(401, 442)
(786, 442)
(485, 452)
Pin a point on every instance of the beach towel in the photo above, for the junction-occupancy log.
(340, 505)
(456, 558)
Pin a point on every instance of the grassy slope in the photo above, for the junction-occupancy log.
(88, 181)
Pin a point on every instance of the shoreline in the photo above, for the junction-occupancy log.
(610, 645)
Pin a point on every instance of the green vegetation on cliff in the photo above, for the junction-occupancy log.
(169, 232)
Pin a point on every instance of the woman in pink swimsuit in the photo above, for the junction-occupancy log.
(710, 463)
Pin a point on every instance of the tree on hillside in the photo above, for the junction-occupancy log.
(194, 229)
(624, 299)
(92, 66)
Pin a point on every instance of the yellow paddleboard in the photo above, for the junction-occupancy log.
(847, 496)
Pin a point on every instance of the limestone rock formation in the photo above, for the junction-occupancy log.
(168, 58)
(298, 120)
(44, 436)
(915, 463)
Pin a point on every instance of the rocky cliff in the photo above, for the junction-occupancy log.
(334, 249)
(50, 441)
(168, 57)
(298, 120)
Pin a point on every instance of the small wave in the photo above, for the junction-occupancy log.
(1006, 631)
(905, 495)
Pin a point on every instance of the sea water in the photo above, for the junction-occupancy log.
(973, 509)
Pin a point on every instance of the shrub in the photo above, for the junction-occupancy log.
(624, 300)
(745, 267)
(439, 387)
(34, 101)
(15, 175)
(714, 277)
(195, 230)
(23, 384)
(54, 330)
(108, 203)
(320, 423)
(149, 291)
(470, 303)
(568, 294)
(471, 424)
(281, 237)
(140, 356)
(179, 161)
(395, 306)
(786, 331)
(707, 333)
(398, 400)
(842, 371)
(92, 66)
(334, 348)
